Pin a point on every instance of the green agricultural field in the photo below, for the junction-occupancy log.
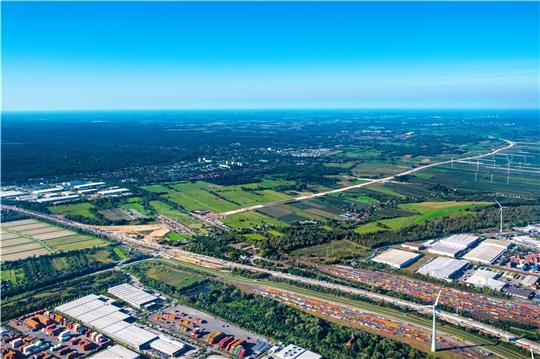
(12, 275)
(251, 219)
(254, 236)
(426, 211)
(173, 236)
(433, 210)
(333, 250)
(75, 242)
(135, 203)
(156, 188)
(120, 253)
(192, 196)
(385, 190)
(172, 276)
(76, 209)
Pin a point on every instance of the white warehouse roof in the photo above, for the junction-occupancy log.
(116, 352)
(396, 258)
(488, 251)
(134, 336)
(485, 278)
(444, 268)
(132, 295)
(453, 245)
(167, 346)
(293, 352)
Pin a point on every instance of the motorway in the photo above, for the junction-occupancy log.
(216, 263)
(509, 145)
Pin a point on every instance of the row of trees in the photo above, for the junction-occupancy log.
(55, 268)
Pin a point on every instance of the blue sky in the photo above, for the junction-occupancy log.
(130, 55)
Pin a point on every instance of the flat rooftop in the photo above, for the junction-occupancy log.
(443, 268)
(396, 258)
(453, 245)
(488, 251)
(132, 295)
(116, 352)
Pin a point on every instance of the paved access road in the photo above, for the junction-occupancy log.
(509, 144)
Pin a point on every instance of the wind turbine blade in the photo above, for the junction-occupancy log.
(437, 300)
(498, 204)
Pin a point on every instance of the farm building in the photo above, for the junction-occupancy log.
(444, 268)
(294, 352)
(134, 296)
(488, 251)
(454, 245)
(116, 352)
(486, 278)
(397, 258)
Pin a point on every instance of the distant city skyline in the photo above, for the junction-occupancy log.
(183, 55)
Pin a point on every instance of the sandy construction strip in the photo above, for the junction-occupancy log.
(27, 227)
(19, 223)
(42, 230)
(15, 242)
(134, 228)
(56, 234)
(20, 255)
(21, 248)
(7, 236)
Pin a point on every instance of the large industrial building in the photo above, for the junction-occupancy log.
(444, 268)
(116, 352)
(294, 352)
(488, 251)
(99, 313)
(397, 258)
(134, 296)
(486, 279)
(453, 246)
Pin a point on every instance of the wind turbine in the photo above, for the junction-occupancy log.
(501, 216)
(434, 331)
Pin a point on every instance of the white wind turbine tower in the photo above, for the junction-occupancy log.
(434, 331)
(501, 216)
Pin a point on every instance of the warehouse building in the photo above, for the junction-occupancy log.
(415, 246)
(444, 268)
(168, 346)
(453, 246)
(483, 278)
(98, 312)
(488, 251)
(396, 258)
(294, 352)
(116, 352)
(134, 296)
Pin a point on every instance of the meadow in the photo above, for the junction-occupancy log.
(425, 211)
(172, 276)
(76, 209)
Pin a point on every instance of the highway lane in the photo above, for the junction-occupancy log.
(509, 145)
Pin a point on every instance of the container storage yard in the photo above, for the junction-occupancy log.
(477, 304)
(379, 324)
(209, 330)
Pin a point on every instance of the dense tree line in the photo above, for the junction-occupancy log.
(284, 323)
(59, 293)
(55, 268)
